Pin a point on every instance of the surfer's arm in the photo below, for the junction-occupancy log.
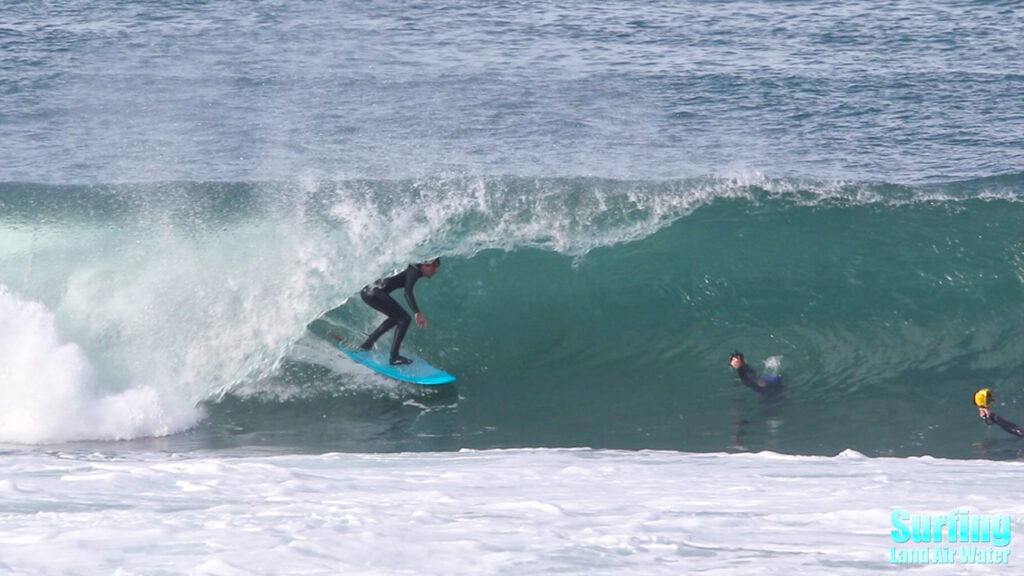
(768, 386)
(412, 274)
(749, 377)
(991, 417)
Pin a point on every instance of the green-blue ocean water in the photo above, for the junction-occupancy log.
(623, 193)
(575, 312)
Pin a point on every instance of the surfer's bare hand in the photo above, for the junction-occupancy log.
(421, 320)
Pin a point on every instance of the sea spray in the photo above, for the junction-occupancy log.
(48, 387)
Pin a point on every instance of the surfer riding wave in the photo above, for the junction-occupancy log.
(378, 296)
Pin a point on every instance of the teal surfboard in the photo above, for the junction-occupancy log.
(378, 360)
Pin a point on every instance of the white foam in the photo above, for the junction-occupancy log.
(491, 512)
(48, 387)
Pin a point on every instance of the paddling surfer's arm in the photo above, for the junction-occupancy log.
(991, 417)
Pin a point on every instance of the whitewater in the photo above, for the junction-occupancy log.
(622, 193)
(495, 512)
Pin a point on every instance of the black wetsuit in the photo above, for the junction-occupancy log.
(378, 296)
(1005, 424)
(767, 386)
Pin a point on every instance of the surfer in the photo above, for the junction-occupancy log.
(378, 297)
(982, 399)
(768, 385)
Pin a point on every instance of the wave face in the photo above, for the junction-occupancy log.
(574, 311)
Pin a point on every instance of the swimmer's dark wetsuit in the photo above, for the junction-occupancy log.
(378, 296)
(1003, 423)
(769, 385)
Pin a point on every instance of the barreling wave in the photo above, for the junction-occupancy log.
(575, 311)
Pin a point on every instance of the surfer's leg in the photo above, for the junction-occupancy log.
(382, 302)
(402, 325)
(386, 325)
(397, 316)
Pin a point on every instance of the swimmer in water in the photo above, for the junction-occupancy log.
(768, 385)
(983, 399)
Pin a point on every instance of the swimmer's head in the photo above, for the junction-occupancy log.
(983, 397)
(736, 360)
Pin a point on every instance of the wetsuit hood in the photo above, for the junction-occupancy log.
(982, 397)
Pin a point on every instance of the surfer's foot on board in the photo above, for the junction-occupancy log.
(366, 346)
(400, 360)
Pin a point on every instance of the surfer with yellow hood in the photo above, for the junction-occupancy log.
(983, 399)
